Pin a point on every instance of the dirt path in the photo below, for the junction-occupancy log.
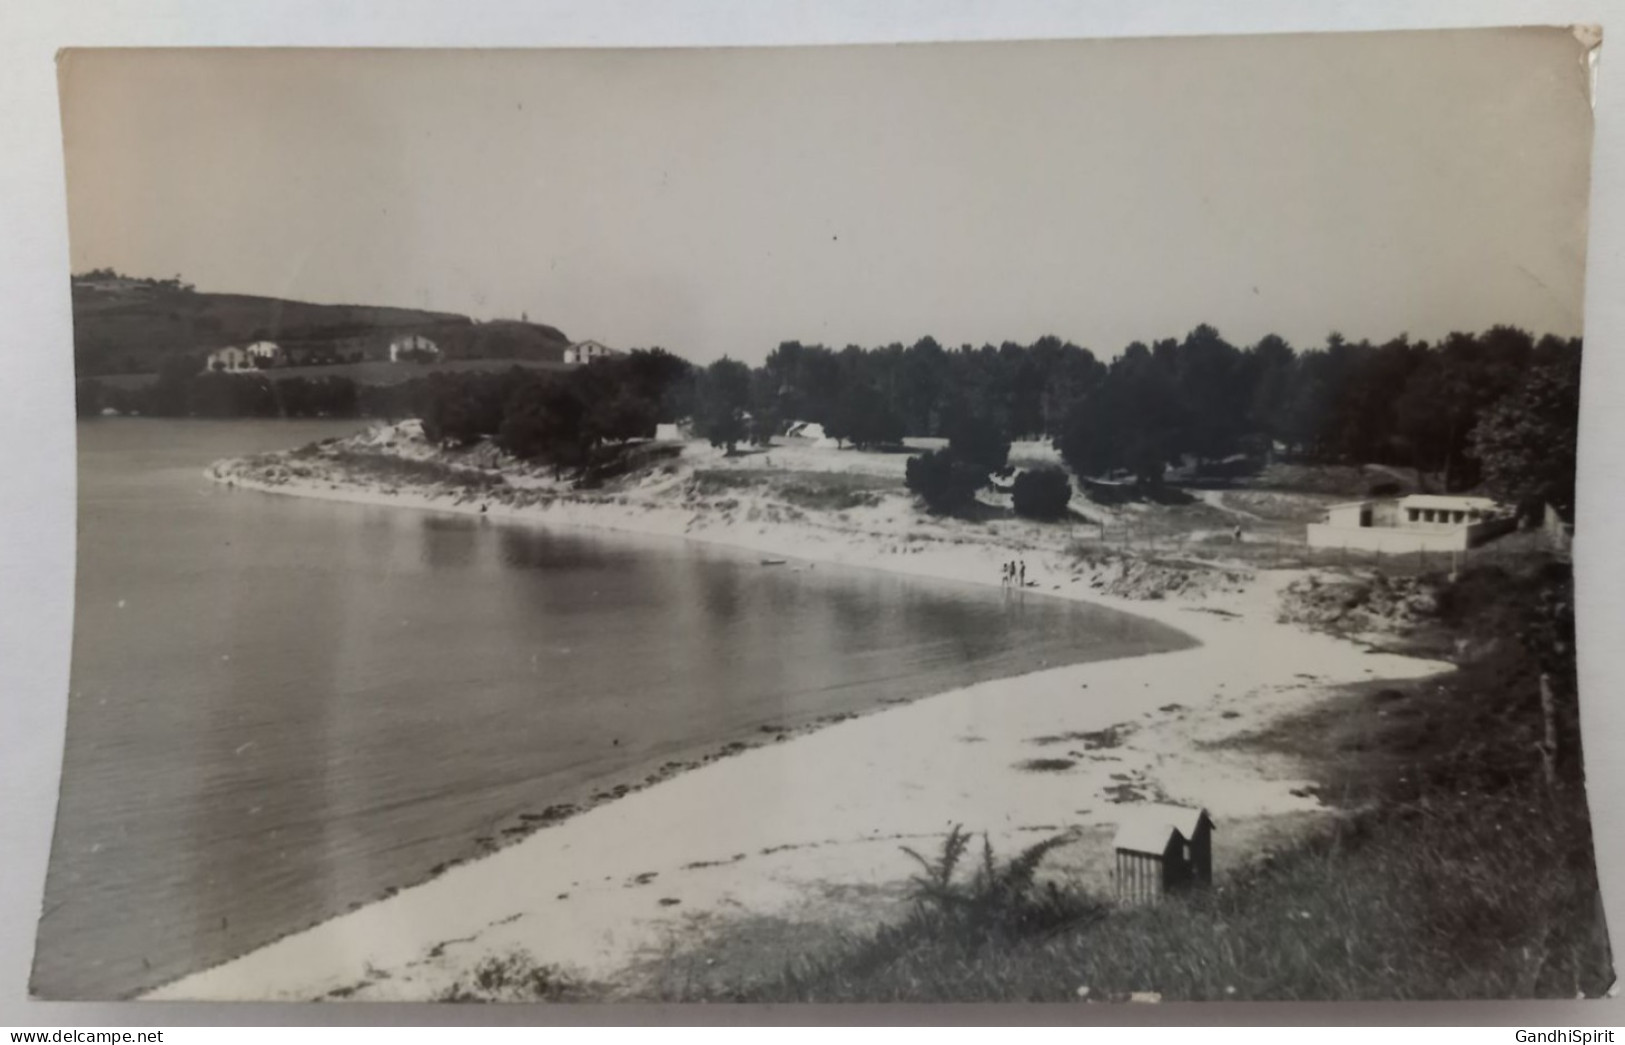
(1215, 499)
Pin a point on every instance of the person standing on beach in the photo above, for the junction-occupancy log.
(1023, 573)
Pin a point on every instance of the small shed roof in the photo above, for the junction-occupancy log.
(1145, 836)
(1151, 827)
(1186, 820)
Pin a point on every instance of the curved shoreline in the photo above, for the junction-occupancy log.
(616, 785)
(895, 787)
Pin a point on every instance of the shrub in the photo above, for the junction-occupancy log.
(821, 497)
(942, 481)
(1042, 493)
(515, 976)
(998, 899)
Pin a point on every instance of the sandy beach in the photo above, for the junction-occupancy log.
(808, 832)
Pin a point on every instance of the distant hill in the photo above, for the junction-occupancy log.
(124, 325)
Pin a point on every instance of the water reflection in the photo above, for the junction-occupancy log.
(448, 541)
(531, 548)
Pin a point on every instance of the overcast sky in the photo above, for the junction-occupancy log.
(721, 201)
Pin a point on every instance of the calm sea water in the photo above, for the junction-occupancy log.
(281, 708)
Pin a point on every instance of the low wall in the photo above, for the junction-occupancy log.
(1386, 540)
(1479, 532)
(1392, 540)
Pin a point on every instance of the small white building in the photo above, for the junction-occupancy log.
(587, 351)
(809, 431)
(1417, 523)
(228, 359)
(413, 348)
(1349, 514)
(264, 354)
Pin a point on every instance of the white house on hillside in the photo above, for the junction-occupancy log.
(587, 351)
(265, 354)
(413, 348)
(230, 358)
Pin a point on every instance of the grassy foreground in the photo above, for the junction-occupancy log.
(1431, 902)
(1460, 870)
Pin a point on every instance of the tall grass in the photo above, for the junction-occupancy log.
(951, 914)
(997, 898)
(514, 976)
(1439, 901)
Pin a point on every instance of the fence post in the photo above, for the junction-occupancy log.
(1548, 744)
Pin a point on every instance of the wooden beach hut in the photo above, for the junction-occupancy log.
(1162, 849)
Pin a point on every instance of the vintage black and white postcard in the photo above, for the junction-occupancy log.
(1078, 520)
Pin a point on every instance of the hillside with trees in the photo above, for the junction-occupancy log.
(126, 325)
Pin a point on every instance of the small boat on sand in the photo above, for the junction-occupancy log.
(774, 562)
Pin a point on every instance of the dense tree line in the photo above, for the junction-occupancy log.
(1498, 407)
(182, 392)
(875, 397)
(612, 399)
(561, 418)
